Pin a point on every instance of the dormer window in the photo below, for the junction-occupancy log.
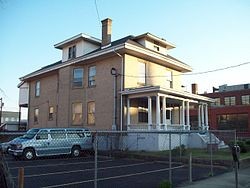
(156, 48)
(72, 52)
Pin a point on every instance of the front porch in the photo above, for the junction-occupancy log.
(155, 108)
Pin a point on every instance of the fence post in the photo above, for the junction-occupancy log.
(170, 160)
(180, 146)
(190, 167)
(21, 177)
(96, 145)
(211, 155)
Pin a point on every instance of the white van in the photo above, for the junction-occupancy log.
(51, 141)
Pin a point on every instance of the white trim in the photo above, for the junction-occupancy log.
(73, 61)
(81, 35)
(187, 96)
(161, 40)
(158, 56)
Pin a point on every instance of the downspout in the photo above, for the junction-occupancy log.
(121, 103)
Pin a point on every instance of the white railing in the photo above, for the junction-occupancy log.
(155, 127)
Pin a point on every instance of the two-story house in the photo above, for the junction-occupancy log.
(128, 84)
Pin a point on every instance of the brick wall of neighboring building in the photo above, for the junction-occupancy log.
(235, 116)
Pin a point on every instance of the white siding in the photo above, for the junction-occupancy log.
(82, 48)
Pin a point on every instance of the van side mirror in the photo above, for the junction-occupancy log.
(38, 137)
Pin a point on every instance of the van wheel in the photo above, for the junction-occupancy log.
(29, 154)
(75, 151)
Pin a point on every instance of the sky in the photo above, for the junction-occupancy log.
(208, 34)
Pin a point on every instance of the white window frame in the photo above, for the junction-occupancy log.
(141, 73)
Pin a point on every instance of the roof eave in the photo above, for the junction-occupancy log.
(60, 45)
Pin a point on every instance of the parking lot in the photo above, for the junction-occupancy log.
(79, 172)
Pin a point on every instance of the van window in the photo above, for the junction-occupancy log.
(42, 135)
(75, 134)
(57, 134)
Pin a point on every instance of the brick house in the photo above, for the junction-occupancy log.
(128, 84)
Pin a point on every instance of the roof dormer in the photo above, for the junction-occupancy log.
(154, 43)
(77, 46)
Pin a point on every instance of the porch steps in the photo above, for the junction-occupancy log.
(214, 140)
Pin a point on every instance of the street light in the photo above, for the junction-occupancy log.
(114, 73)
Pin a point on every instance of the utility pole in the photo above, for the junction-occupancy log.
(1, 109)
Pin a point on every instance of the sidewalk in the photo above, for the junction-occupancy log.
(226, 180)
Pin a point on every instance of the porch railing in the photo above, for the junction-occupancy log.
(155, 127)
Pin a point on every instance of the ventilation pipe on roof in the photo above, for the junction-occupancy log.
(195, 88)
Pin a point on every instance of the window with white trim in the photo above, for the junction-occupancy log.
(91, 76)
(72, 52)
(245, 99)
(141, 73)
(37, 89)
(77, 113)
(229, 101)
(36, 115)
(78, 77)
(169, 78)
(91, 112)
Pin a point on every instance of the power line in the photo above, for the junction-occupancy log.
(188, 74)
(219, 69)
(97, 12)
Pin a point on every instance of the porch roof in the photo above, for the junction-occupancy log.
(153, 90)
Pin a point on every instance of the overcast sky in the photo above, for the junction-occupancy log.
(208, 35)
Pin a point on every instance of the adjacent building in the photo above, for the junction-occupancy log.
(128, 84)
(230, 109)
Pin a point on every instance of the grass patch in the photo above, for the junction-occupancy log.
(221, 154)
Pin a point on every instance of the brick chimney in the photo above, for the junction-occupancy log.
(106, 31)
(195, 88)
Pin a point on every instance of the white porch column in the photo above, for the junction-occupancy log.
(164, 112)
(206, 116)
(199, 116)
(188, 117)
(128, 111)
(183, 113)
(149, 112)
(158, 115)
(202, 117)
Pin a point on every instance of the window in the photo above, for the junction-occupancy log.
(72, 52)
(92, 74)
(36, 115)
(141, 73)
(58, 134)
(75, 134)
(91, 112)
(229, 101)
(142, 111)
(169, 77)
(156, 48)
(42, 135)
(37, 89)
(216, 102)
(245, 99)
(77, 113)
(233, 121)
(51, 112)
(78, 77)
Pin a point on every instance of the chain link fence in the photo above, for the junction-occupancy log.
(82, 158)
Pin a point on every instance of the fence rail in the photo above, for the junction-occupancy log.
(115, 158)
